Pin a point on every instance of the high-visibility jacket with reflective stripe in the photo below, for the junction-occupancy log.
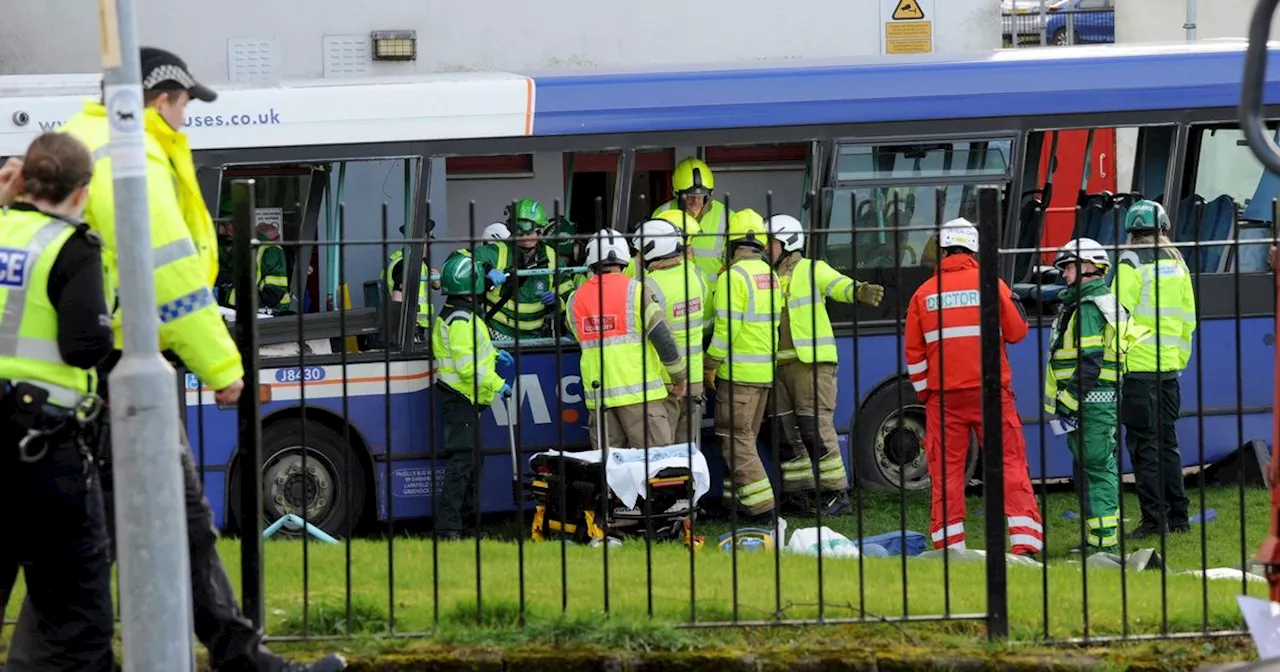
(1159, 296)
(708, 245)
(271, 272)
(608, 315)
(806, 285)
(183, 241)
(29, 244)
(1087, 348)
(465, 356)
(748, 312)
(941, 338)
(424, 280)
(681, 292)
(523, 312)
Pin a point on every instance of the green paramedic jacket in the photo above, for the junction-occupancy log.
(524, 311)
(1086, 348)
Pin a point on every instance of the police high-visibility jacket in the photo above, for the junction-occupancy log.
(748, 312)
(183, 241)
(424, 281)
(943, 348)
(708, 245)
(30, 243)
(465, 355)
(1087, 348)
(681, 292)
(610, 317)
(1159, 296)
(524, 312)
(806, 284)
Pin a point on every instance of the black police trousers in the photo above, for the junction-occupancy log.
(457, 506)
(1149, 408)
(54, 529)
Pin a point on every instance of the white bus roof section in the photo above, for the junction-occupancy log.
(314, 112)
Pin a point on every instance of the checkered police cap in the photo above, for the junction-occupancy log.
(164, 71)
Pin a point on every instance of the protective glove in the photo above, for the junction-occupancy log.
(496, 277)
(547, 297)
(870, 294)
(505, 391)
(709, 378)
(505, 358)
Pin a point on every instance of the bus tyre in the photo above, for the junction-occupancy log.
(331, 488)
(1062, 38)
(888, 447)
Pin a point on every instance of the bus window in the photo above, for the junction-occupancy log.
(1228, 190)
(749, 173)
(1081, 182)
(880, 232)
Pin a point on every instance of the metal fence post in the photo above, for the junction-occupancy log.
(992, 403)
(249, 469)
(155, 581)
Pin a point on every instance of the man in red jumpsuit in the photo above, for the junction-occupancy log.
(944, 360)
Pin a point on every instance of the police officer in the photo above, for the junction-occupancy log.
(393, 277)
(693, 184)
(469, 382)
(805, 389)
(628, 351)
(748, 306)
(192, 332)
(1086, 355)
(1154, 284)
(679, 288)
(52, 334)
(519, 308)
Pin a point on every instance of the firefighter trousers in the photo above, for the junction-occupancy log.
(1093, 447)
(739, 412)
(685, 416)
(805, 396)
(1149, 408)
(952, 418)
(643, 425)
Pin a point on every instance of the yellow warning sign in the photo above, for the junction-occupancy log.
(908, 10)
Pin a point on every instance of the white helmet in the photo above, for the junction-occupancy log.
(1082, 249)
(608, 246)
(788, 231)
(496, 231)
(958, 232)
(658, 239)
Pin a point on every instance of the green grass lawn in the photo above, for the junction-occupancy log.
(435, 587)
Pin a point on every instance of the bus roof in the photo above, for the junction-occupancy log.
(1046, 81)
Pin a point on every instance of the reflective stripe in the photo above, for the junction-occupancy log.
(755, 493)
(920, 385)
(1068, 401)
(1157, 313)
(612, 340)
(952, 332)
(1100, 522)
(949, 531)
(1025, 521)
(814, 342)
(752, 316)
(173, 251)
(1026, 540)
(918, 367)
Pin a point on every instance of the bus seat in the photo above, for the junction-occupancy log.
(1259, 208)
(1253, 258)
(1030, 231)
(1089, 219)
(1111, 229)
(1219, 224)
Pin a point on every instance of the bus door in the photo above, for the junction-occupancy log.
(597, 186)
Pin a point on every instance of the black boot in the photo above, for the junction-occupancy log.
(1147, 530)
(836, 503)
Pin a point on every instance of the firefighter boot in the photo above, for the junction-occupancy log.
(836, 503)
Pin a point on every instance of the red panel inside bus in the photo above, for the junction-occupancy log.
(1060, 216)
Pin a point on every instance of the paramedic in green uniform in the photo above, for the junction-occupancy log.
(561, 233)
(1154, 285)
(469, 382)
(273, 272)
(225, 282)
(1085, 360)
(520, 306)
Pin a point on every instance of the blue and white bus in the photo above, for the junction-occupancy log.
(1040, 125)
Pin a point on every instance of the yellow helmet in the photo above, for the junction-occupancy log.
(683, 221)
(692, 174)
(746, 226)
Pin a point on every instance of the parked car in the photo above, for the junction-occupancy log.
(1022, 21)
(1081, 22)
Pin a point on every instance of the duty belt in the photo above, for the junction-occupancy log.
(41, 420)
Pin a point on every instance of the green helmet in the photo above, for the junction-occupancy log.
(461, 276)
(527, 216)
(1146, 216)
(561, 233)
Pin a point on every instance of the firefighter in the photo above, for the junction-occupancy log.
(192, 332)
(693, 184)
(393, 277)
(56, 328)
(805, 389)
(1086, 356)
(943, 356)
(1154, 285)
(748, 301)
(470, 382)
(518, 308)
(626, 346)
(681, 291)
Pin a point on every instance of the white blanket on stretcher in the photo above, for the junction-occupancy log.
(625, 470)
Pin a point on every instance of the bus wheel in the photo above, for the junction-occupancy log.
(889, 446)
(332, 500)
